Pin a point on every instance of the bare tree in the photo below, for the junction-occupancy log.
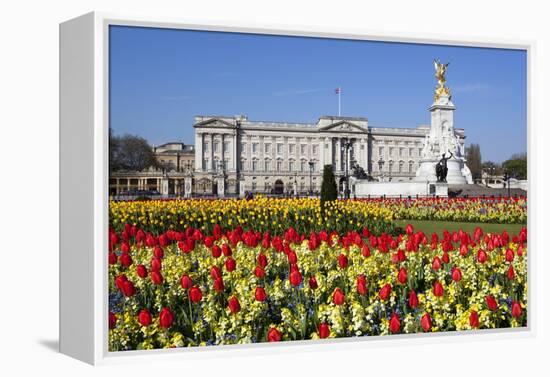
(130, 152)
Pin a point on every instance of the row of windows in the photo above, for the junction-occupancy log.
(266, 165)
(280, 146)
(393, 167)
(400, 152)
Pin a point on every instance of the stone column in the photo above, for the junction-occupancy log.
(321, 154)
(338, 153)
(199, 147)
(188, 186)
(211, 163)
(236, 147)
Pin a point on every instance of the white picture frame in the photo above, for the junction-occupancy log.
(84, 179)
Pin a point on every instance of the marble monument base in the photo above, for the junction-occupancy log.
(365, 189)
(455, 173)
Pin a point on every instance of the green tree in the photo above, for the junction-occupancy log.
(328, 187)
(473, 158)
(516, 166)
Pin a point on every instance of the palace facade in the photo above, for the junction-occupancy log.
(238, 154)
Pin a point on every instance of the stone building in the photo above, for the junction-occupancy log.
(176, 160)
(234, 154)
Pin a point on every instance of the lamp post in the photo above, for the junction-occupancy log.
(347, 144)
(295, 184)
(310, 180)
(507, 180)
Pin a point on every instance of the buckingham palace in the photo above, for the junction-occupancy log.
(233, 154)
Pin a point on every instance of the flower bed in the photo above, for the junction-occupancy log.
(228, 286)
(502, 210)
(260, 215)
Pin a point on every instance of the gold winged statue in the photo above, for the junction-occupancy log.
(441, 89)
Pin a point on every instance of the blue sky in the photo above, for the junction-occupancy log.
(161, 78)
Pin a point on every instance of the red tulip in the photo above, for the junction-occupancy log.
(409, 229)
(274, 335)
(259, 272)
(365, 251)
(186, 282)
(260, 294)
(324, 330)
(463, 250)
(395, 324)
(218, 285)
(112, 320)
(119, 280)
(438, 289)
(295, 278)
(141, 271)
(436, 264)
(156, 277)
(112, 258)
(491, 303)
(262, 260)
(362, 285)
(144, 317)
(158, 252)
(413, 299)
(166, 318)
(125, 260)
(481, 256)
(456, 274)
(516, 309)
(233, 305)
(509, 255)
(195, 294)
(313, 283)
(402, 275)
(445, 258)
(511, 274)
(342, 261)
(426, 322)
(474, 319)
(226, 250)
(216, 251)
(338, 297)
(385, 292)
(215, 272)
(230, 264)
(128, 288)
(156, 264)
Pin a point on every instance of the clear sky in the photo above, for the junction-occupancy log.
(161, 78)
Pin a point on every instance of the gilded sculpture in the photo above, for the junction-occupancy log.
(441, 89)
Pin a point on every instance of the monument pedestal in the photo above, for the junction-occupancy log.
(221, 186)
(188, 187)
(164, 187)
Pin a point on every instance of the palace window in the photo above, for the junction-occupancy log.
(216, 146)
(243, 148)
(279, 165)
(380, 151)
(254, 147)
(400, 166)
(225, 163)
(303, 166)
(401, 151)
(411, 166)
(267, 148)
(254, 185)
(279, 148)
(302, 149)
(380, 165)
(314, 149)
(267, 165)
(291, 166)
(291, 148)
(410, 152)
(206, 147)
(226, 147)
(255, 165)
(392, 150)
(390, 166)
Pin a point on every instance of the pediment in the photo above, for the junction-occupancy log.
(343, 126)
(214, 123)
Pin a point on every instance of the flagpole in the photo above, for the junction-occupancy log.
(339, 101)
